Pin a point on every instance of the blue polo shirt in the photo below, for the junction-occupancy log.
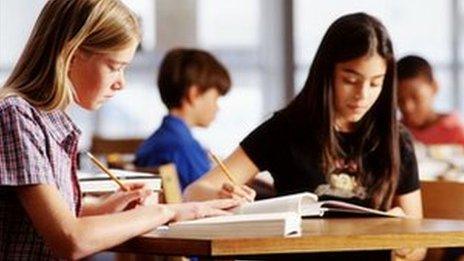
(173, 143)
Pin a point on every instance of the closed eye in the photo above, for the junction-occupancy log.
(350, 80)
(376, 84)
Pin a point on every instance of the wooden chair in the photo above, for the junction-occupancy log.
(442, 199)
(107, 146)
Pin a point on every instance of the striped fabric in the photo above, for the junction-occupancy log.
(36, 147)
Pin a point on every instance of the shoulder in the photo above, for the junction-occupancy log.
(276, 123)
(405, 140)
(161, 142)
(16, 103)
(14, 109)
(453, 121)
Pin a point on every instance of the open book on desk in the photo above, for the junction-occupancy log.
(279, 216)
(306, 204)
(246, 225)
(101, 182)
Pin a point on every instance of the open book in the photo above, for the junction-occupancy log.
(279, 216)
(306, 204)
(101, 182)
(247, 225)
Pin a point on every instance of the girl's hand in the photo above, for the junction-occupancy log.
(243, 192)
(123, 200)
(397, 211)
(194, 210)
(410, 254)
(407, 253)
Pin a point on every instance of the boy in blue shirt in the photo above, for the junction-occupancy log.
(190, 82)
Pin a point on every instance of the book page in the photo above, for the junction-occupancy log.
(290, 203)
(247, 225)
(340, 206)
(238, 219)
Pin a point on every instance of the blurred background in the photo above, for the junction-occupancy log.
(266, 45)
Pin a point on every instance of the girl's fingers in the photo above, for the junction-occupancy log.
(228, 187)
(135, 185)
(139, 194)
(243, 194)
(250, 191)
(397, 211)
(234, 191)
(212, 212)
(222, 203)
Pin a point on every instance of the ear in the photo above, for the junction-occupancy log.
(192, 94)
(434, 85)
(77, 55)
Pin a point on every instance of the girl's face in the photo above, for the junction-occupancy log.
(357, 85)
(97, 77)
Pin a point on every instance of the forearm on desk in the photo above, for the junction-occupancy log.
(200, 191)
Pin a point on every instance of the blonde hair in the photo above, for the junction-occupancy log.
(41, 74)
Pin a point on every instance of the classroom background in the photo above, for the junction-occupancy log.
(267, 45)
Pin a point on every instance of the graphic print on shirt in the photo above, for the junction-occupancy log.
(342, 181)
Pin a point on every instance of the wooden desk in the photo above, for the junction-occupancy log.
(319, 235)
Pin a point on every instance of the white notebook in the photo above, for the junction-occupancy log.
(101, 182)
(247, 225)
(306, 204)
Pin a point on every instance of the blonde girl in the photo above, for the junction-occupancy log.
(77, 52)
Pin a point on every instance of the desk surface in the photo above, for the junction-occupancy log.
(319, 235)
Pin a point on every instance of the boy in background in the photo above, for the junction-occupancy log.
(417, 88)
(190, 81)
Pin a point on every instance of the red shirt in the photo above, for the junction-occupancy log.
(447, 130)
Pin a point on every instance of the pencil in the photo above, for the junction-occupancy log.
(224, 168)
(107, 171)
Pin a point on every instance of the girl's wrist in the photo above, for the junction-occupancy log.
(167, 213)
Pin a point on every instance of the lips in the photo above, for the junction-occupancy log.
(356, 107)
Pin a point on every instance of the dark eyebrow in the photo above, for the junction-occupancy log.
(348, 70)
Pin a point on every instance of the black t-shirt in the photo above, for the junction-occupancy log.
(287, 152)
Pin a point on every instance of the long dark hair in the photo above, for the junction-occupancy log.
(377, 147)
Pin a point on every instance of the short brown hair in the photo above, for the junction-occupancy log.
(181, 68)
(412, 66)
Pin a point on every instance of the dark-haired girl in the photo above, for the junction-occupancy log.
(340, 137)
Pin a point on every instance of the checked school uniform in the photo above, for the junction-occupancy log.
(36, 147)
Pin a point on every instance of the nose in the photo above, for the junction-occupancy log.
(409, 106)
(361, 91)
(120, 82)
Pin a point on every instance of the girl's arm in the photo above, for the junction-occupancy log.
(410, 204)
(215, 183)
(71, 237)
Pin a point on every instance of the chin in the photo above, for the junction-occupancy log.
(203, 125)
(413, 124)
(91, 107)
(355, 118)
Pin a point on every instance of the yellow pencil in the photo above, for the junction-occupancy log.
(224, 168)
(107, 171)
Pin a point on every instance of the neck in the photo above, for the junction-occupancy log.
(184, 115)
(431, 119)
(344, 126)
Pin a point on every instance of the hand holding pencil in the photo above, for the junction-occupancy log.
(107, 171)
(129, 196)
(233, 189)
